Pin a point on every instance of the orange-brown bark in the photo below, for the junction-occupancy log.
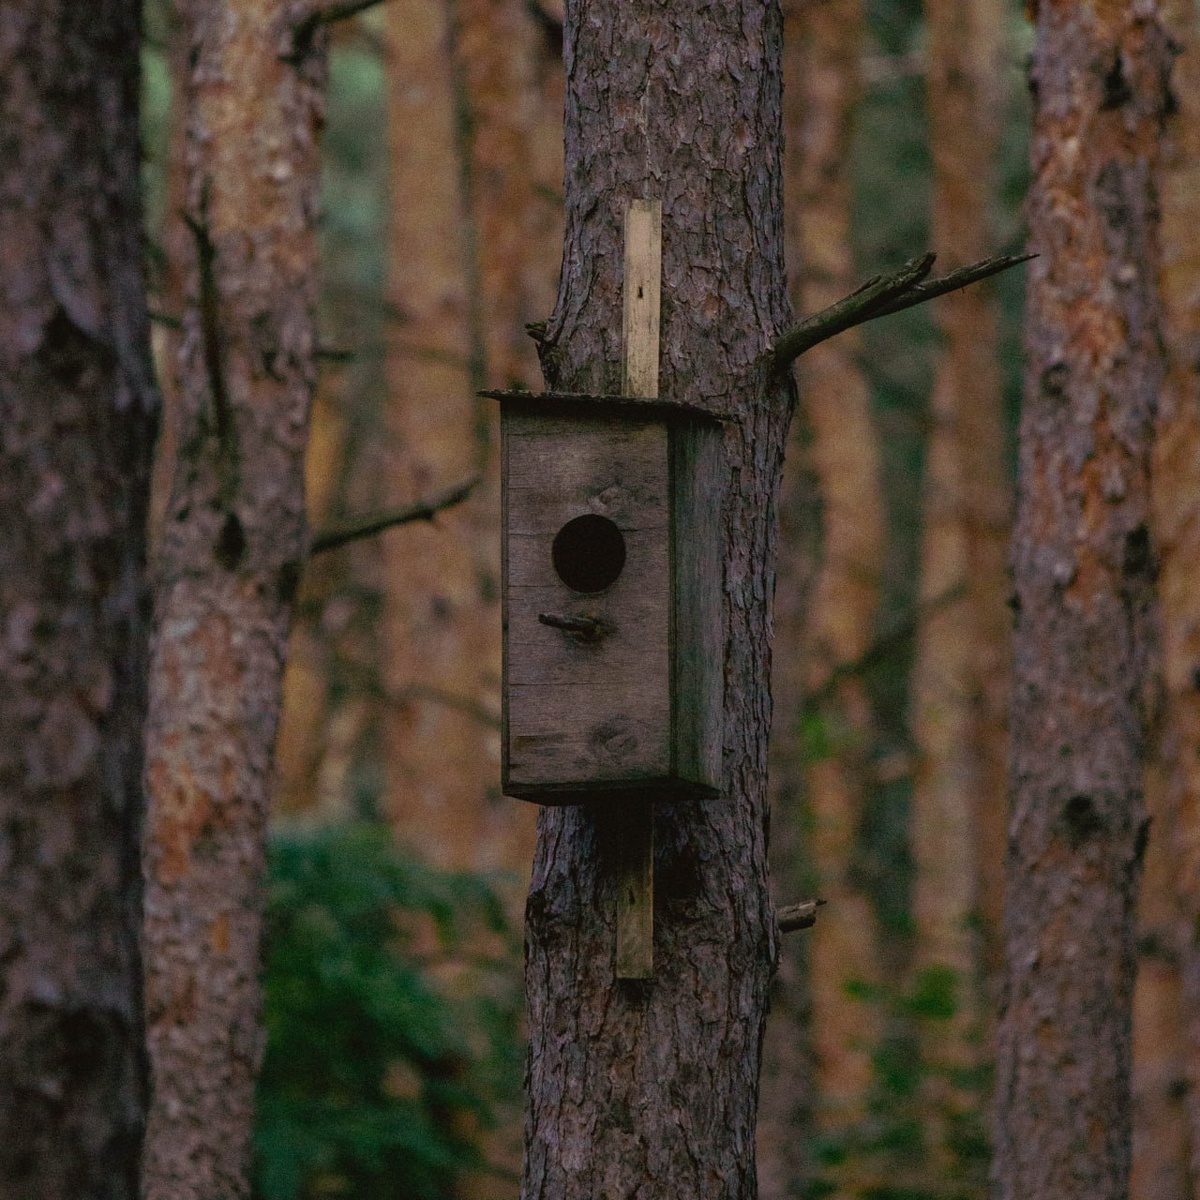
(443, 609)
(1167, 1014)
(470, 267)
(816, 633)
(1084, 570)
(959, 675)
(1160, 1055)
(231, 555)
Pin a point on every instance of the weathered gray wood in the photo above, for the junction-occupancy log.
(664, 408)
(616, 696)
(643, 284)
(698, 637)
(583, 711)
(639, 377)
(635, 895)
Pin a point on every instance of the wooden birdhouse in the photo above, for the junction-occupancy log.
(613, 635)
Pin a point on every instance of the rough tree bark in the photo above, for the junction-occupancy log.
(232, 550)
(1084, 568)
(650, 1090)
(78, 409)
(1166, 1147)
(813, 1016)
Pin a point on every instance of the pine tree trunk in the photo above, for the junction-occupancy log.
(461, 195)
(1084, 567)
(232, 552)
(78, 408)
(962, 642)
(813, 1016)
(1167, 1027)
(650, 1089)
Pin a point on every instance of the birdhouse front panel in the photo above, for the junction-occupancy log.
(588, 603)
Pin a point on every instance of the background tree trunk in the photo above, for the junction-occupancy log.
(651, 1089)
(443, 606)
(962, 641)
(232, 552)
(1166, 1148)
(1084, 568)
(463, 107)
(825, 750)
(78, 409)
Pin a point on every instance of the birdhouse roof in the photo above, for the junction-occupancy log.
(589, 404)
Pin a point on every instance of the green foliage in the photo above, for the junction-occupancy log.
(392, 1014)
(893, 1144)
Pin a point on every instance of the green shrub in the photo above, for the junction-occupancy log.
(392, 1014)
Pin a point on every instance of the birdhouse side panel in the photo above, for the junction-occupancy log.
(699, 487)
(586, 706)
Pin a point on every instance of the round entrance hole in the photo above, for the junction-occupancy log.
(588, 553)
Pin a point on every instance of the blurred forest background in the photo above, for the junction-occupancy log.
(394, 953)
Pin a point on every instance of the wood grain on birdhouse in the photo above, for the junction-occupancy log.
(613, 642)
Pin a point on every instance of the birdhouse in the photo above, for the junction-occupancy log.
(613, 629)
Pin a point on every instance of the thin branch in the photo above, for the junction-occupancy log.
(422, 510)
(433, 695)
(861, 305)
(881, 296)
(798, 916)
(886, 644)
(310, 16)
(166, 320)
(361, 681)
(963, 277)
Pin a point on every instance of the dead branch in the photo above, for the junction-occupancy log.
(307, 17)
(882, 296)
(798, 916)
(422, 510)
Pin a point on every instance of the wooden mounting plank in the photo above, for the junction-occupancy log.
(643, 283)
(639, 377)
(635, 894)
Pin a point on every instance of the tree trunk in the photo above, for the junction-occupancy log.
(461, 190)
(78, 409)
(1167, 1027)
(962, 651)
(812, 1012)
(650, 1089)
(1084, 570)
(232, 552)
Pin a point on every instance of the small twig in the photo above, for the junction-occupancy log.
(963, 277)
(590, 629)
(310, 17)
(362, 682)
(878, 650)
(422, 510)
(881, 296)
(798, 916)
(432, 695)
(166, 320)
(861, 305)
